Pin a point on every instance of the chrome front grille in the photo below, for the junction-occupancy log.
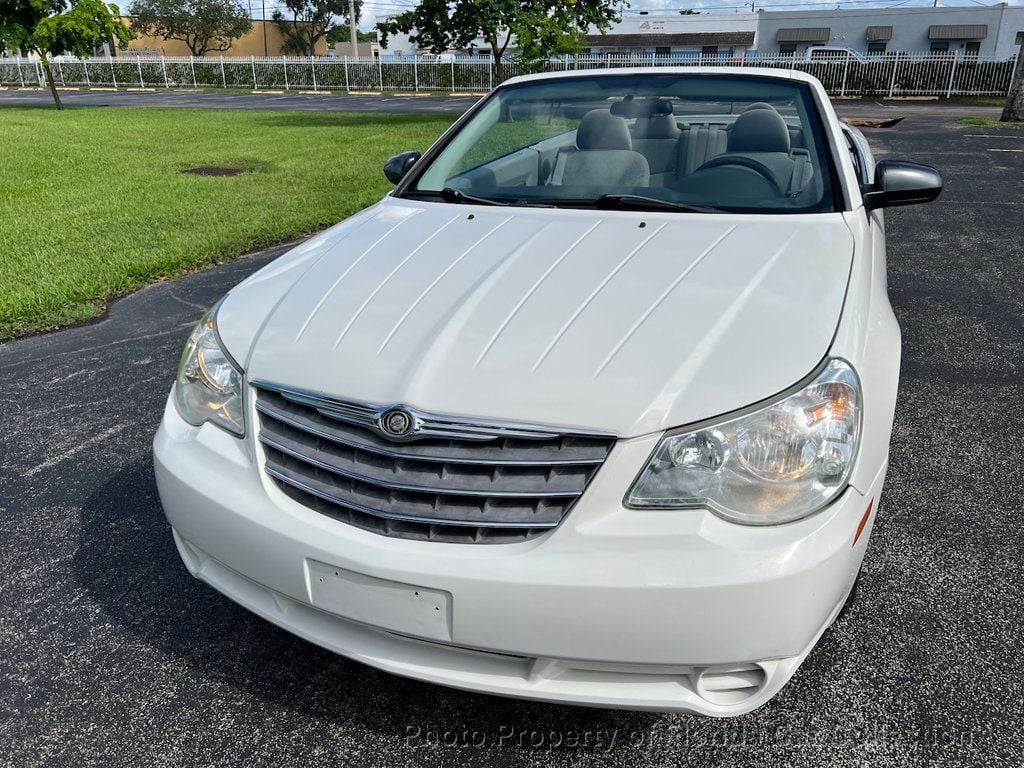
(449, 480)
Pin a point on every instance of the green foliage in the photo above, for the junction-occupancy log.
(542, 27)
(986, 122)
(92, 205)
(340, 34)
(51, 27)
(82, 27)
(203, 25)
(305, 22)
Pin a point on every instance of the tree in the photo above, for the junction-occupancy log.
(52, 27)
(542, 25)
(305, 22)
(341, 34)
(202, 25)
(538, 43)
(1013, 112)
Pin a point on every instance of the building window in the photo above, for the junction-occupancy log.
(709, 52)
(663, 51)
(972, 48)
(787, 49)
(876, 49)
(939, 47)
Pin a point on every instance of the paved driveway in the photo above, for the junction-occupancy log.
(111, 654)
(453, 105)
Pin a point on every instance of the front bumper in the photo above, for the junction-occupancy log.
(660, 610)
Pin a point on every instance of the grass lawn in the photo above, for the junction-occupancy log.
(986, 122)
(92, 205)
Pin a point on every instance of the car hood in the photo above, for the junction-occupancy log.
(622, 322)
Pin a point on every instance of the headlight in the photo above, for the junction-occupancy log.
(209, 383)
(779, 463)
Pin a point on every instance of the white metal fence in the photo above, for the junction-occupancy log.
(903, 74)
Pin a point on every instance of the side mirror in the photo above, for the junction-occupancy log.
(900, 182)
(399, 165)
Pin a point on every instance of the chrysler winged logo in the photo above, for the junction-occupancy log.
(397, 422)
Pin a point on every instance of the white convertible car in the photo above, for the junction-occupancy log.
(593, 408)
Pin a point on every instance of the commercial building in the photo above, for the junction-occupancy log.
(264, 39)
(968, 30)
(964, 30)
(724, 35)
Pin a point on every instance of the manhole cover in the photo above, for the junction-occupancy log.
(212, 170)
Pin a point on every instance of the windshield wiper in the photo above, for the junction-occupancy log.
(452, 195)
(643, 203)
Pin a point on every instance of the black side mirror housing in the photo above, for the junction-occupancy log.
(900, 182)
(398, 166)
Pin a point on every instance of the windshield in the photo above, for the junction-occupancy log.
(688, 142)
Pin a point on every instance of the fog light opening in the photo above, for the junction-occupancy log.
(730, 685)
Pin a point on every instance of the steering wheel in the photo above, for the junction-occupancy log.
(743, 161)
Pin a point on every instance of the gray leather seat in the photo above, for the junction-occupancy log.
(699, 143)
(762, 135)
(604, 156)
(656, 137)
(796, 135)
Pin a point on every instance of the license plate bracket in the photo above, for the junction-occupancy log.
(399, 607)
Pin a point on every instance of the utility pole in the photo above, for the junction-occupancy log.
(264, 25)
(353, 33)
(1013, 112)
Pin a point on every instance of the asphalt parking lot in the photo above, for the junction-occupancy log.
(111, 654)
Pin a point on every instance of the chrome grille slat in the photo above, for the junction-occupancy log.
(315, 490)
(487, 482)
(591, 456)
(349, 474)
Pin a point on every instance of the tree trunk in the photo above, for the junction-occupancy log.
(49, 80)
(1014, 109)
(499, 66)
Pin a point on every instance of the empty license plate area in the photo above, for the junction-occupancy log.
(404, 608)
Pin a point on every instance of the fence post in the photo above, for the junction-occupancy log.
(415, 75)
(490, 74)
(138, 61)
(163, 67)
(952, 73)
(284, 60)
(312, 68)
(892, 80)
(113, 74)
(21, 75)
(347, 87)
(846, 69)
(453, 75)
(60, 71)
(380, 74)
(192, 66)
(255, 86)
(223, 77)
(85, 69)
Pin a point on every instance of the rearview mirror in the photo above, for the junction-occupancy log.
(398, 166)
(900, 182)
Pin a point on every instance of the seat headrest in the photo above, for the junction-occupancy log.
(659, 127)
(600, 129)
(760, 105)
(759, 130)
